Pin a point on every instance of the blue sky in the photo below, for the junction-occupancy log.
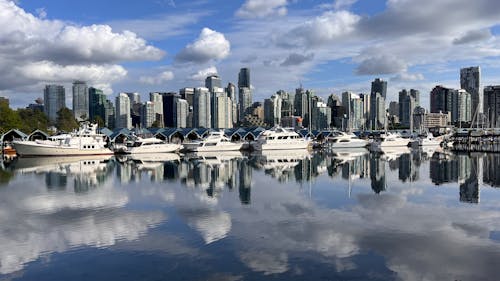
(164, 45)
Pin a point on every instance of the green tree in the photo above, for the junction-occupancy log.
(98, 119)
(65, 120)
(9, 119)
(33, 119)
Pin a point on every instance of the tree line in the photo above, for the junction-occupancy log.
(28, 120)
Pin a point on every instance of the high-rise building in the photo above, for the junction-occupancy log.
(394, 108)
(245, 101)
(148, 116)
(134, 98)
(97, 99)
(407, 104)
(123, 117)
(213, 81)
(231, 91)
(54, 97)
(201, 108)
(492, 105)
(244, 78)
(221, 109)
(377, 104)
(470, 81)
(272, 110)
(181, 113)
(354, 111)
(321, 115)
(245, 93)
(415, 94)
(157, 100)
(168, 102)
(109, 114)
(456, 102)
(379, 86)
(188, 94)
(80, 101)
(461, 106)
(440, 99)
(377, 111)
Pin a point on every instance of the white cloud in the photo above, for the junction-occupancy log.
(321, 30)
(342, 4)
(210, 45)
(381, 64)
(202, 74)
(262, 8)
(473, 36)
(42, 13)
(159, 27)
(410, 77)
(158, 79)
(35, 50)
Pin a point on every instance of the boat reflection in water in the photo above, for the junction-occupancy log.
(409, 215)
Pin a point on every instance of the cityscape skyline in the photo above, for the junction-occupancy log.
(327, 46)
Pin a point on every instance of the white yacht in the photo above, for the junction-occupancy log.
(343, 140)
(149, 145)
(388, 140)
(430, 140)
(215, 141)
(280, 139)
(84, 141)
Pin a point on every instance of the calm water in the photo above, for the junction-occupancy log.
(280, 216)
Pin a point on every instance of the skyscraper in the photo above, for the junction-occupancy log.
(213, 81)
(54, 97)
(244, 78)
(321, 115)
(470, 80)
(231, 93)
(407, 104)
(157, 100)
(245, 92)
(122, 112)
(440, 99)
(97, 99)
(109, 114)
(461, 103)
(377, 103)
(221, 109)
(245, 98)
(181, 113)
(492, 105)
(353, 109)
(201, 108)
(80, 101)
(147, 114)
(168, 100)
(272, 110)
(456, 102)
(379, 86)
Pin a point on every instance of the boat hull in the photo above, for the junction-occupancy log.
(196, 147)
(280, 146)
(160, 148)
(357, 144)
(27, 148)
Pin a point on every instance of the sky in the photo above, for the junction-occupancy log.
(164, 45)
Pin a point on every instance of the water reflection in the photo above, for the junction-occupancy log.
(249, 209)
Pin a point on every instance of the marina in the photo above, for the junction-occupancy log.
(333, 214)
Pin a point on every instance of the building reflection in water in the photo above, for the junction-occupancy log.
(464, 169)
(213, 173)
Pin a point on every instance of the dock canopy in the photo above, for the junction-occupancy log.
(38, 135)
(13, 134)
